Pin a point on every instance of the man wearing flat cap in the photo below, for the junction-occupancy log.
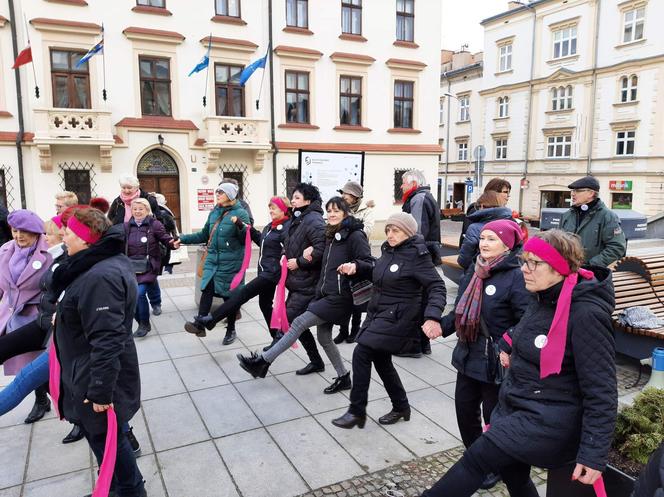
(598, 226)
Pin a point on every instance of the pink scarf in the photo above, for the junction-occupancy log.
(279, 320)
(237, 279)
(126, 199)
(551, 355)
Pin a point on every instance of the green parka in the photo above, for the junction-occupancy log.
(226, 249)
(601, 235)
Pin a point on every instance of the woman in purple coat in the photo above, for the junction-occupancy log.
(144, 234)
(22, 263)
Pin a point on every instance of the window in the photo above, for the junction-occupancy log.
(625, 142)
(155, 86)
(78, 181)
(501, 148)
(351, 17)
(350, 101)
(462, 151)
(239, 177)
(441, 115)
(559, 146)
(228, 92)
(71, 86)
(297, 13)
(464, 108)
(292, 178)
(229, 8)
(152, 3)
(505, 58)
(564, 42)
(403, 104)
(562, 98)
(621, 200)
(633, 22)
(503, 106)
(406, 20)
(297, 97)
(3, 189)
(628, 86)
(398, 180)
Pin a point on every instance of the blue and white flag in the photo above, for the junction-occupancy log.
(251, 68)
(205, 61)
(99, 47)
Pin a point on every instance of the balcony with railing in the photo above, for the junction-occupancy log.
(224, 132)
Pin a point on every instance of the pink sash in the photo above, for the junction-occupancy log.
(54, 376)
(279, 319)
(237, 279)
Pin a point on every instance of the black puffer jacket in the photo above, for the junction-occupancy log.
(48, 298)
(397, 310)
(307, 229)
(651, 480)
(334, 299)
(271, 243)
(116, 213)
(471, 241)
(571, 415)
(504, 301)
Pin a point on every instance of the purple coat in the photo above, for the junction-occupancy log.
(20, 300)
(144, 240)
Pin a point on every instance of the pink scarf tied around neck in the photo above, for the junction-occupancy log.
(126, 200)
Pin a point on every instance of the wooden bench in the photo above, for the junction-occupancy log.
(451, 268)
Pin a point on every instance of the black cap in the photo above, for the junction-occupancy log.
(589, 182)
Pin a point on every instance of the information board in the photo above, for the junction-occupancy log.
(330, 171)
(206, 199)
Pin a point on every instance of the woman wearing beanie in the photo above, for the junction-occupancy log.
(396, 313)
(270, 243)
(346, 259)
(491, 299)
(558, 401)
(225, 252)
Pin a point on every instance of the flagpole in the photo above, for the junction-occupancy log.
(260, 89)
(34, 72)
(207, 70)
(103, 61)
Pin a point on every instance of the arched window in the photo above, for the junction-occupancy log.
(503, 106)
(157, 161)
(628, 88)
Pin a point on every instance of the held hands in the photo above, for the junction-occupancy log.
(504, 359)
(175, 244)
(586, 475)
(307, 254)
(349, 268)
(292, 264)
(432, 329)
(99, 407)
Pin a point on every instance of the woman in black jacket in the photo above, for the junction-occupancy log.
(347, 257)
(93, 341)
(271, 243)
(395, 315)
(130, 189)
(558, 401)
(491, 299)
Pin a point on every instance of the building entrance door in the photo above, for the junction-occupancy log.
(158, 172)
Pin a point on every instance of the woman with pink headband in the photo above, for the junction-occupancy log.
(558, 401)
(271, 243)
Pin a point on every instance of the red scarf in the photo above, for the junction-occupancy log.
(277, 222)
(408, 194)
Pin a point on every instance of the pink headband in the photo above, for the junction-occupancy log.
(58, 221)
(82, 231)
(279, 203)
(553, 351)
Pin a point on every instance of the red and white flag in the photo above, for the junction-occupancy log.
(23, 58)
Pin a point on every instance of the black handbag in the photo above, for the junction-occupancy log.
(494, 368)
(140, 264)
(362, 292)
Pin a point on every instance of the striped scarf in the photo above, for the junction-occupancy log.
(469, 307)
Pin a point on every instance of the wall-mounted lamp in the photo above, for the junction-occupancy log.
(161, 140)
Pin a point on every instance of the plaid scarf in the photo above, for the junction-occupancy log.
(469, 307)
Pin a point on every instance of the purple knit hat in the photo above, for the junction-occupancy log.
(25, 220)
(505, 229)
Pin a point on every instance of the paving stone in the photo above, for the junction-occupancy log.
(200, 372)
(159, 379)
(253, 333)
(196, 470)
(288, 362)
(310, 448)
(437, 407)
(442, 355)
(169, 322)
(308, 390)
(178, 291)
(270, 401)
(11, 492)
(150, 349)
(173, 422)
(256, 450)
(185, 303)
(183, 345)
(152, 476)
(448, 389)
(426, 370)
(20, 412)
(13, 441)
(78, 483)
(224, 412)
(213, 341)
(410, 381)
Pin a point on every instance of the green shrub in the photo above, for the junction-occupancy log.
(640, 428)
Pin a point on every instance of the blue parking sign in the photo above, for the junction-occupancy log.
(469, 188)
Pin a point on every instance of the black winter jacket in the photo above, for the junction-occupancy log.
(569, 416)
(334, 299)
(397, 309)
(423, 207)
(504, 301)
(307, 229)
(116, 212)
(471, 241)
(271, 243)
(651, 480)
(93, 337)
(48, 298)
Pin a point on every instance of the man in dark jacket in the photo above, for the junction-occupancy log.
(602, 237)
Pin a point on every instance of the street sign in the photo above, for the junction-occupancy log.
(469, 188)
(479, 152)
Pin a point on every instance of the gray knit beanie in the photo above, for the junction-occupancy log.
(404, 221)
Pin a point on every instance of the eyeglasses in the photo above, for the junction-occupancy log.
(581, 190)
(531, 264)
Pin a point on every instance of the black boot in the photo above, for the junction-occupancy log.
(133, 442)
(343, 334)
(143, 329)
(230, 337)
(339, 384)
(426, 347)
(490, 481)
(41, 407)
(353, 334)
(276, 336)
(74, 435)
(349, 421)
(255, 365)
(199, 325)
(393, 416)
(312, 367)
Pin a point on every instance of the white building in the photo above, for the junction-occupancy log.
(336, 67)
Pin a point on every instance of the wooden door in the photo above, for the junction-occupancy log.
(169, 187)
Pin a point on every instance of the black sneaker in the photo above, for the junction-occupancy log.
(135, 446)
(156, 310)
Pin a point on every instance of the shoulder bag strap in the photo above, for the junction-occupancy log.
(214, 227)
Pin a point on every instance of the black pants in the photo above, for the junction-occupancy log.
(262, 287)
(363, 357)
(468, 396)
(206, 304)
(127, 478)
(482, 458)
(297, 304)
(27, 338)
(355, 319)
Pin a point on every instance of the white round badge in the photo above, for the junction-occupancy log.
(36, 265)
(541, 341)
(144, 239)
(297, 213)
(394, 268)
(337, 236)
(280, 227)
(490, 290)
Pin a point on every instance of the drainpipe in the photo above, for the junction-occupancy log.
(447, 138)
(19, 101)
(591, 122)
(530, 105)
(272, 132)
